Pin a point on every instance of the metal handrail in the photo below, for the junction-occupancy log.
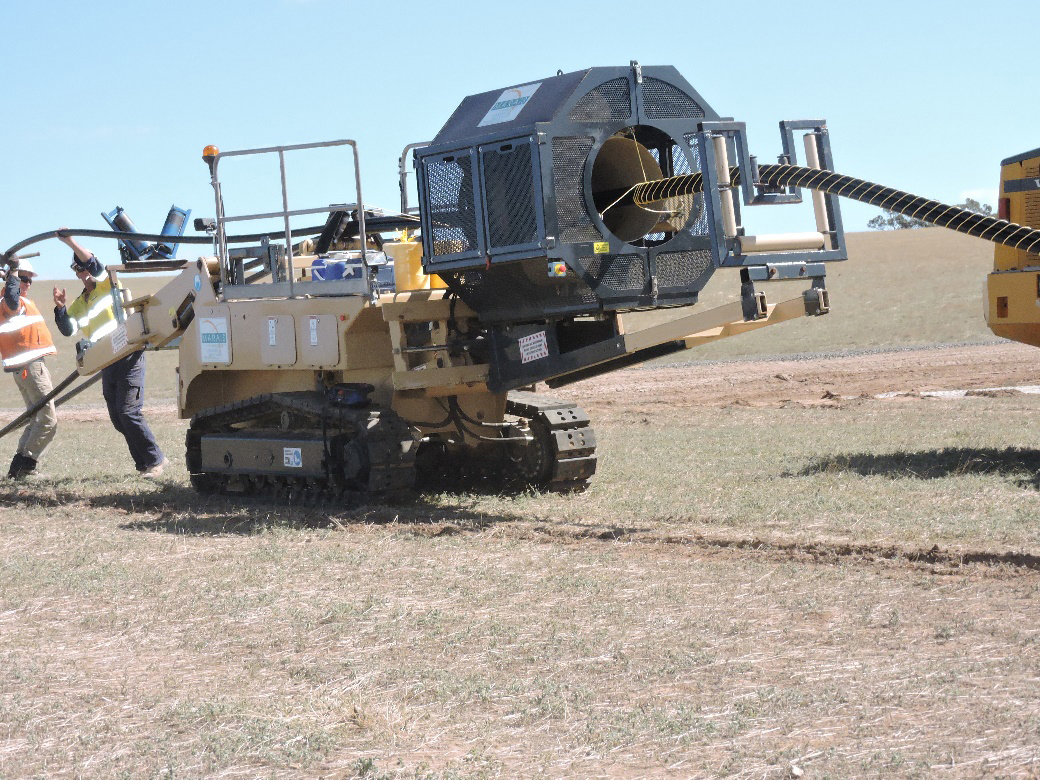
(220, 237)
(402, 173)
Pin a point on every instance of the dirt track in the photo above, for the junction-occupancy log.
(813, 380)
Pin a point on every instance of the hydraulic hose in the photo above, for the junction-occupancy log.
(999, 231)
(372, 225)
(143, 237)
(21, 419)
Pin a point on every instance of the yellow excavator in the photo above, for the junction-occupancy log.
(1013, 288)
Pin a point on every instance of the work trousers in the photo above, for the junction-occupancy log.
(122, 385)
(34, 382)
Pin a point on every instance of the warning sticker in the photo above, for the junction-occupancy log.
(601, 247)
(533, 347)
(119, 340)
(292, 457)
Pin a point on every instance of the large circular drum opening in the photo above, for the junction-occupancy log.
(630, 157)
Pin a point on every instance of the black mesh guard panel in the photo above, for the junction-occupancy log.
(614, 273)
(521, 291)
(509, 193)
(663, 101)
(681, 269)
(569, 155)
(609, 101)
(452, 212)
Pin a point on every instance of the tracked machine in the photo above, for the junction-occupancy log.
(565, 228)
(1012, 295)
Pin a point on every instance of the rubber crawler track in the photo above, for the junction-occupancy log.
(376, 439)
(559, 457)
(565, 443)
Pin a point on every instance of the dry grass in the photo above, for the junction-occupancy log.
(853, 591)
(898, 288)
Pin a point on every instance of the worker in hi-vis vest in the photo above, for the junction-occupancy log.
(24, 343)
(122, 382)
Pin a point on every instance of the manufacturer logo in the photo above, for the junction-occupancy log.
(510, 103)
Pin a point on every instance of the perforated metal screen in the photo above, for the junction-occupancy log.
(661, 100)
(569, 155)
(681, 269)
(610, 101)
(521, 291)
(509, 195)
(615, 273)
(453, 217)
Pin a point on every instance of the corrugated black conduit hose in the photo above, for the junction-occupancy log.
(999, 231)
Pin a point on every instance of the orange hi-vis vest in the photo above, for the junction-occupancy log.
(23, 335)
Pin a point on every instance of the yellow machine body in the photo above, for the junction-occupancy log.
(305, 374)
(1012, 295)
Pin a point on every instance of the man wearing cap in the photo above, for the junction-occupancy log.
(122, 382)
(24, 343)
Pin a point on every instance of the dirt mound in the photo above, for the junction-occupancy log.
(814, 380)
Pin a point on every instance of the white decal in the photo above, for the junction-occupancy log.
(213, 340)
(533, 347)
(119, 340)
(509, 104)
(314, 331)
(292, 457)
(272, 331)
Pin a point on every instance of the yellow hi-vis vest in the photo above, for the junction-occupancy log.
(92, 313)
(23, 335)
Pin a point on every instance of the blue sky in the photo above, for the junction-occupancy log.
(112, 104)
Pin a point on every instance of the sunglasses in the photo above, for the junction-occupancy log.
(25, 279)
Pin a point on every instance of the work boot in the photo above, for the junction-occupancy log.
(22, 466)
(16, 466)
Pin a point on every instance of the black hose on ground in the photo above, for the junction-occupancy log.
(999, 231)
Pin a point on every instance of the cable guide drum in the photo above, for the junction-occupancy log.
(538, 172)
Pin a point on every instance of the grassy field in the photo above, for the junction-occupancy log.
(898, 288)
(839, 591)
(850, 591)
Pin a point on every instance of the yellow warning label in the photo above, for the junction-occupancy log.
(601, 247)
